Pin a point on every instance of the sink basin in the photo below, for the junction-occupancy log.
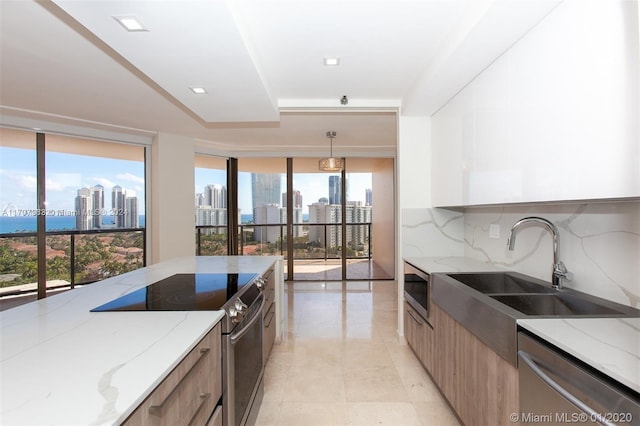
(554, 304)
(501, 283)
(489, 304)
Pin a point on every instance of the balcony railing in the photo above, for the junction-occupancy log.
(73, 257)
(311, 240)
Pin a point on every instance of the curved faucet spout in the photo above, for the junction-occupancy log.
(558, 271)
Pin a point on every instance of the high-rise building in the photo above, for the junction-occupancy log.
(361, 215)
(89, 204)
(118, 206)
(97, 207)
(368, 196)
(268, 214)
(297, 199)
(265, 189)
(215, 196)
(84, 207)
(207, 216)
(131, 219)
(335, 190)
(211, 207)
(323, 213)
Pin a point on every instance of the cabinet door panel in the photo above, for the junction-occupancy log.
(480, 385)
(189, 394)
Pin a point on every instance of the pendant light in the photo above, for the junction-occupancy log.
(331, 164)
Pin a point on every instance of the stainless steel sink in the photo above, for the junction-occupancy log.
(488, 304)
(501, 283)
(561, 304)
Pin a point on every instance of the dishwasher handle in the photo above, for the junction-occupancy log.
(594, 415)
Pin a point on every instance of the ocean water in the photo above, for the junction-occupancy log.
(10, 224)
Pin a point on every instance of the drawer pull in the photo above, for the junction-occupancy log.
(204, 397)
(268, 323)
(158, 410)
(414, 318)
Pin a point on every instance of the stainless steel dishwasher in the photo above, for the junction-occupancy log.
(557, 389)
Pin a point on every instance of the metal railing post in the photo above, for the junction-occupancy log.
(72, 260)
(325, 242)
(369, 240)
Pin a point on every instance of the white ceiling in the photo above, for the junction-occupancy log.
(67, 65)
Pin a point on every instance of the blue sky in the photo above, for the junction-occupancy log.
(65, 174)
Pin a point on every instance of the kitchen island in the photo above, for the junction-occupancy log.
(62, 364)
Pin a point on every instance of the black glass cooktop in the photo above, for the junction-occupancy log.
(182, 292)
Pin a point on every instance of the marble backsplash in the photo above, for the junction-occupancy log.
(598, 242)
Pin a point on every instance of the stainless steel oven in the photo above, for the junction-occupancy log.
(417, 290)
(242, 366)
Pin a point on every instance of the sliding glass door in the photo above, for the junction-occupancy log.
(317, 234)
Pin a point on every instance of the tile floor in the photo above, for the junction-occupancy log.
(341, 362)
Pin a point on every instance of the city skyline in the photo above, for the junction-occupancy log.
(64, 175)
(18, 183)
(90, 208)
(312, 186)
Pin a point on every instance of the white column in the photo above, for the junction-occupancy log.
(172, 191)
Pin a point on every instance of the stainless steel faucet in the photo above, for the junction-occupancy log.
(559, 271)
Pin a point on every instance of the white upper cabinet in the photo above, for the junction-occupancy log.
(555, 118)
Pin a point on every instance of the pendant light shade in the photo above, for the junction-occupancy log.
(331, 164)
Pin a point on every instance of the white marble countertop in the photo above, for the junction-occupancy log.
(610, 345)
(63, 365)
(434, 265)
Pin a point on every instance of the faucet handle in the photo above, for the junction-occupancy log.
(559, 270)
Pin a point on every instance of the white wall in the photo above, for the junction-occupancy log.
(414, 159)
(172, 204)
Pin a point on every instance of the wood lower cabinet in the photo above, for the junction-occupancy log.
(268, 315)
(479, 384)
(419, 335)
(216, 418)
(189, 394)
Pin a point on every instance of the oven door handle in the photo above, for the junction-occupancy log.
(258, 314)
(593, 414)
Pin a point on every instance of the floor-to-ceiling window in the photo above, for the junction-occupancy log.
(81, 209)
(261, 191)
(322, 234)
(345, 236)
(18, 208)
(317, 237)
(210, 202)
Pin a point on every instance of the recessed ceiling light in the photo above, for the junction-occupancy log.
(130, 23)
(198, 90)
(331, 62)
